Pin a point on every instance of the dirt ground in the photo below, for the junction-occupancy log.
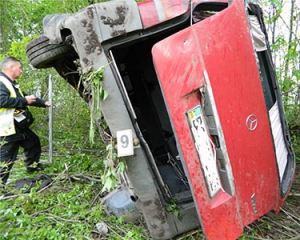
(286, 224)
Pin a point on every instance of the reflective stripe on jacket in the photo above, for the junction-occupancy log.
(7, 126)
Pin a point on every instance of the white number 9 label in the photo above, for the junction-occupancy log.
(124, 143)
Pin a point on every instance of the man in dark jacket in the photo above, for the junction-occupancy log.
(13, 101)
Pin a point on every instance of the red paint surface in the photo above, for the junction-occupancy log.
(221, 45)
(150, 13)
(170, 8)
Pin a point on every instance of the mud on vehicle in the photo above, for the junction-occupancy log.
(193, 85)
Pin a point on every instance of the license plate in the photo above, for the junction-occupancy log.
(205, 149)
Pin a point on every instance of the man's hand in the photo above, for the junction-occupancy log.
(47, 104)
(30, 99)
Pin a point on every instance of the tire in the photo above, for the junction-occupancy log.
(42, 54)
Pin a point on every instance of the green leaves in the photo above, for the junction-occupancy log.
(114, 167)
(93, 83)
(173, 208)
(20, 18)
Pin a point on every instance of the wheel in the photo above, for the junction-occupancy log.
(42, 54)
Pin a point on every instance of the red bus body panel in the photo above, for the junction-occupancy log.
(181, 62)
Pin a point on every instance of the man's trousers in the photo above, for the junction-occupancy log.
(9, 151)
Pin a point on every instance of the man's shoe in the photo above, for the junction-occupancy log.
(39, 167)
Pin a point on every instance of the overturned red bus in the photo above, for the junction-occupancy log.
(194, 86)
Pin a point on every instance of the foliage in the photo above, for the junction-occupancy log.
(93, 84)
(114, 167)
(40, 215)
(282, 18)
(27, 16)
(173, 208)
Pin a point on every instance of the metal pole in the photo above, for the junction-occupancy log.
(50, 117)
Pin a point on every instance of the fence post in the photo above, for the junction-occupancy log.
(50, 117)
